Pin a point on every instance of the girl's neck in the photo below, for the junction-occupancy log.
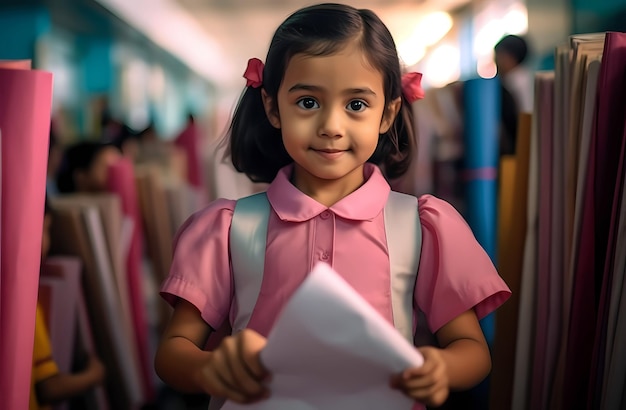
(326, 191)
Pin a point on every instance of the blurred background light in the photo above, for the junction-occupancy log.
(494, 23)
(427, 32)
(515, 21)
(166, 23)
(486, 67)
(442, 65)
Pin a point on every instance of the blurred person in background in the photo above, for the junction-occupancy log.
(128, 144)
(511, 54)
(84, 167)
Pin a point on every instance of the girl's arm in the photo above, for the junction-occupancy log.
(63, 386)
(179, 357)
(462, 362)
(232, 370)
(465, 351)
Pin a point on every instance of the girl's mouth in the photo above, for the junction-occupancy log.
(329, 153)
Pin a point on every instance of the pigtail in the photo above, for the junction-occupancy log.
(404, 129)
(255, 146)
(396, 148)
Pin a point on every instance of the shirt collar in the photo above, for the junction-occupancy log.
(364, 204)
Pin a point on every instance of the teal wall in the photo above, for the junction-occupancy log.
(20, 28)
(598, 15)
(96, 64)
(599, 6)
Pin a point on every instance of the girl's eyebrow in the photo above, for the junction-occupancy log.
(306, 87)
(349, 91)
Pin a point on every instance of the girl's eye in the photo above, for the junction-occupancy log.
(308, 103)
(356, 105)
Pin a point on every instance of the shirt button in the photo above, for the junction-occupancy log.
(324, 256)
(325, 215)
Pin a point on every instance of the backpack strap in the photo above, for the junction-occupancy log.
(248, 236)
(404, 243)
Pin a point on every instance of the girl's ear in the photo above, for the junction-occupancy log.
(390, 115)
(270, 109)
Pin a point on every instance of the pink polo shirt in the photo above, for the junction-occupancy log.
(455, 274)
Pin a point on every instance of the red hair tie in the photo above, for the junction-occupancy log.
(412, 86)
(254, 73)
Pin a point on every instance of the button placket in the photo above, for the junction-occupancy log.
(324, 236)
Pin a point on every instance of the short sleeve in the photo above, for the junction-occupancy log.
(455, 273)
(200, 272)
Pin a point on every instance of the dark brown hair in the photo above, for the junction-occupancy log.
(79, 156)
(256, 147)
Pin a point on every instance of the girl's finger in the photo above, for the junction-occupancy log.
(216, 385)
(422, 394)
(221, 362)
(419, 382)
(250, 346)
(239, 374)
(414, 372)
(244, 380)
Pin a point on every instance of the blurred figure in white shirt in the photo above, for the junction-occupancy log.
(511, 53)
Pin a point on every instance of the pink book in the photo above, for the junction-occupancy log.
(121, 180)
(25, 103)
(0, 214)
(188, 141)
(62, 276)
(63, 302)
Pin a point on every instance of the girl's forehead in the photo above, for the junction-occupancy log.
(352, 47)
(347, 59)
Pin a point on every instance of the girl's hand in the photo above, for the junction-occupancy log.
(95, 370)
(427, 384)
(234, 370)
(461, 363)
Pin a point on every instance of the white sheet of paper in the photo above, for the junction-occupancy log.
(330, 349)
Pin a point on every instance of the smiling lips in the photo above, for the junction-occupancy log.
(329, 153)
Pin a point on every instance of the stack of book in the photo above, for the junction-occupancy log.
(564, 219)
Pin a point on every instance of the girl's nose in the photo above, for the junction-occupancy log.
(331, 123)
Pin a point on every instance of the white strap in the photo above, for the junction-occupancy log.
(404, 243)
(248, 236)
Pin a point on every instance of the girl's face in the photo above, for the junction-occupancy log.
(331, 110)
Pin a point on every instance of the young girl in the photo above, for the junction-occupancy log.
(325, 121)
